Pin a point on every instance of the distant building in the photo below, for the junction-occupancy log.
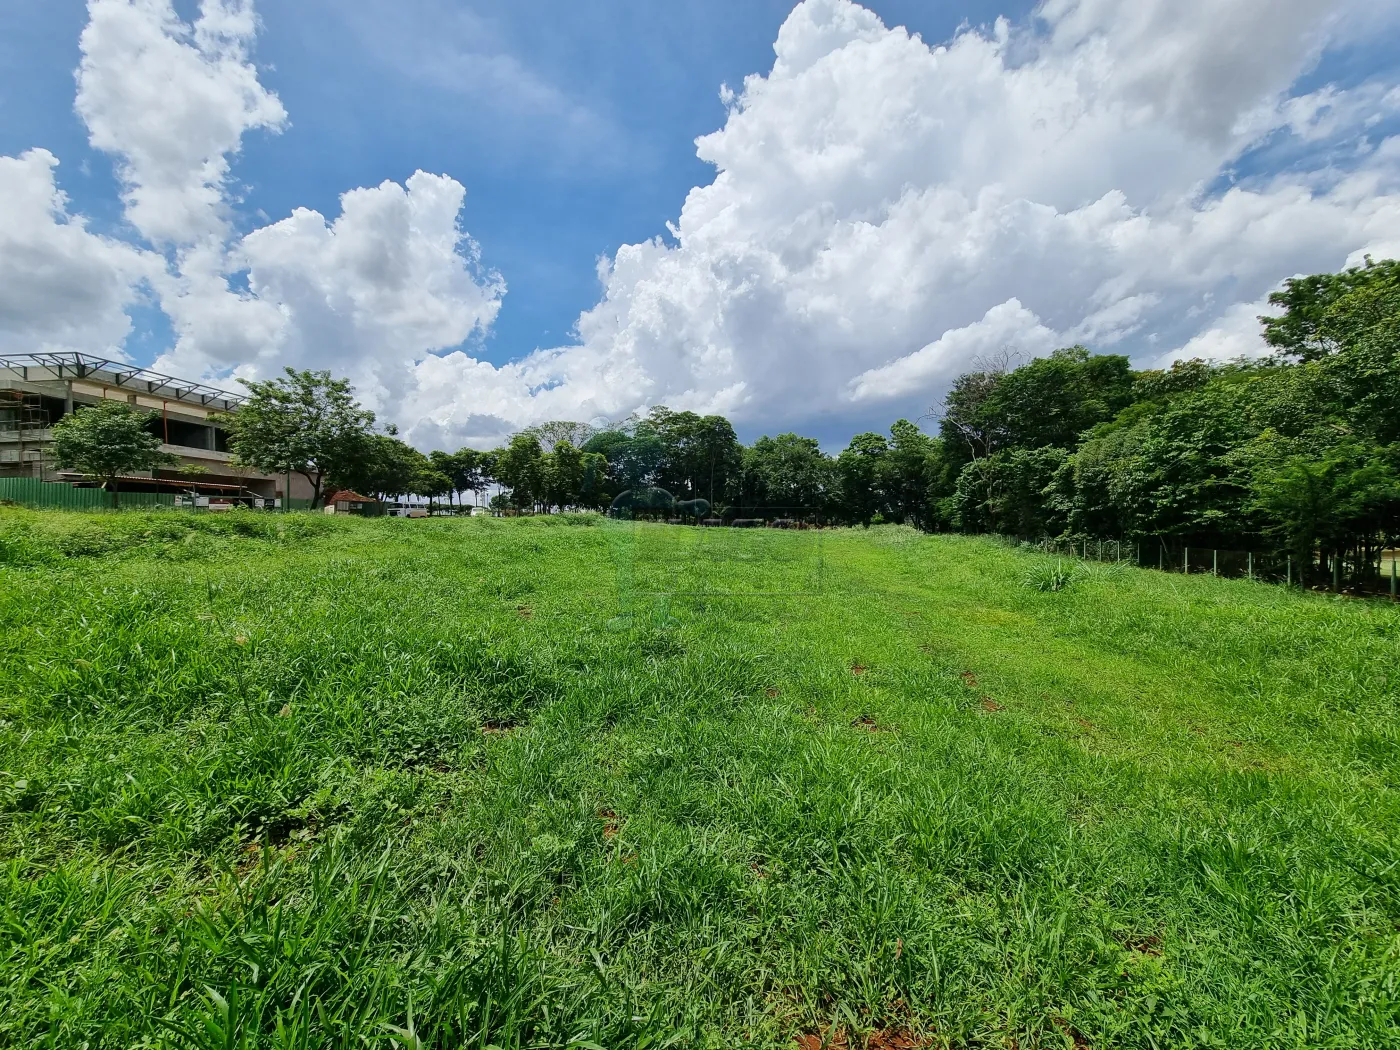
(37, 390)
(348, 501)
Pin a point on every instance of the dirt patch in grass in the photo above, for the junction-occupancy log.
(524, 612)
(858, 669)
(611, 823)
(969, 679)
(770, 693)
(991, 705)
(1144, 944)
(896, 1039)
(1075, 1035)
(499, 727)
(870, 725)
(882, 1039)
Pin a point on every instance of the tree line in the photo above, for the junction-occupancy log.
(1296, 452)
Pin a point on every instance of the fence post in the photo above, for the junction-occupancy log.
(1085, 555)
(1250, 555)
(1186, 560)
(1161, 556)
(1336, 574)
(1290, 572)
(1394, 564)
(1215, 563)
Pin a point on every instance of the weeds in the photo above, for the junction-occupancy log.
(1050, 576)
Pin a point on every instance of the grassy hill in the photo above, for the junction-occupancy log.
(301, 781)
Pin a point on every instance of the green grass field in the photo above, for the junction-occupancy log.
(301, 781)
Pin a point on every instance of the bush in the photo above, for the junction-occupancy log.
(1050, 576)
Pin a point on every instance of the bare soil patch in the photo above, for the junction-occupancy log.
(611, 823)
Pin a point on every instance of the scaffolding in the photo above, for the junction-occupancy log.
(23, 422)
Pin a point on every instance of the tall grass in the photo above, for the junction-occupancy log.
(305, 782)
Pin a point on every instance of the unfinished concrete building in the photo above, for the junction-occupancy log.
(37, 390)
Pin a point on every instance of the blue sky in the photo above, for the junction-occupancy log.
(801, 292)
(583, 141)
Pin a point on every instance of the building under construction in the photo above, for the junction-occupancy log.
(37, 390)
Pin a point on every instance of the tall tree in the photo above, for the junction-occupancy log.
(520, 467)
(107, 440)
(633, 457)
(789, 474)
(563, 476)
(907, 474)
(302, 421)
(858, 471)
(430, 483)
(1318, 320)
(384, 467)
(550, 434)
(466, 467)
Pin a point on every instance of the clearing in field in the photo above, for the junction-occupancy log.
(298, 781)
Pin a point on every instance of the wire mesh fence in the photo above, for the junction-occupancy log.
(1379, 574)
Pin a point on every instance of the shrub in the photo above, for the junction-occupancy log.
(1050, 576)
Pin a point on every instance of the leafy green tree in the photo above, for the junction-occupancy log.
(384, 466)
(593, 488)
(1323, 312)
(431, 483)
(1334, 503)
(466, 468)
(520, 467)
(789, 474)
(107, 440)
(563, 476)
(1182, 475)
(858, 473)
(303, 421)
(907, 474)
(456, 467)
(968, 422)
(1049, 402)
(552, 433)
(633, 458)
(699, 454)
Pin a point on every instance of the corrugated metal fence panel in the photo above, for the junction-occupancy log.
(48, 495)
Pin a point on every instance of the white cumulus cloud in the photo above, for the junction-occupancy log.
(173, 102)
(1134, 176)
(62, 287)
(884, 210)
(368, 294)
